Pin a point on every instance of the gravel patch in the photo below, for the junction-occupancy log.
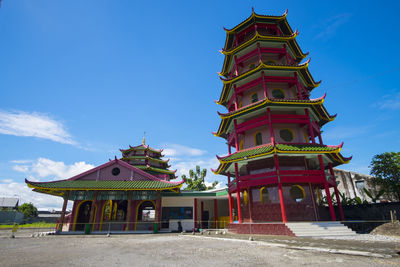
(363, 237)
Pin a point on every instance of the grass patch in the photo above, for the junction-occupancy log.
(31, 225)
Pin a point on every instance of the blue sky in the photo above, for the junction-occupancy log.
(81, 79)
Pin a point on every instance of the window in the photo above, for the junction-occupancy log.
(240, 104)
(254, 98)
(258, 139)
(278, 93)
(297, 193)
(115, 171)
(241, 145)
(286, 135)
(264, 195)
(245, 197)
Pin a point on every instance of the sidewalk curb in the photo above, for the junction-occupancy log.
(334, 251)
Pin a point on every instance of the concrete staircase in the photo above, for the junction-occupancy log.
(314, 229)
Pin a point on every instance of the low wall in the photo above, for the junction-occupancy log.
(372, 214)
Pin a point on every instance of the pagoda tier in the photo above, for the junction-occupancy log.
(149, 160)
(272, 125)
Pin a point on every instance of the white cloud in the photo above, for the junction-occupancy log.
(329, 26)
(390, 102)
(340, 132)
(181, 150)
(43, 167)
(26, 195)
(21, 123)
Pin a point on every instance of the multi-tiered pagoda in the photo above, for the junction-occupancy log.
(149, 160)
(277, 162)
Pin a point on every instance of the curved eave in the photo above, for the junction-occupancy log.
(301, 69)
(149, 168)
(45, 188)
(143, 157)
(333, 154)
(315, 104)
(288, 40)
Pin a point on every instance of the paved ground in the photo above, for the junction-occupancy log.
(166, 250)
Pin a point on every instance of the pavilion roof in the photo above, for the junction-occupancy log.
(259, 151)
(316, 105)
(145, 157)
(141, 147)
(280, 21)
(104, 185)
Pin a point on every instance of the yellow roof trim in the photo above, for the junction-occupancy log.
(254, 15)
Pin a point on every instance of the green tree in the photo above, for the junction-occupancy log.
(28, 209)
(386, 169)
(196, 180)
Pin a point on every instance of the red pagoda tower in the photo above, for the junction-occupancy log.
(277, 162)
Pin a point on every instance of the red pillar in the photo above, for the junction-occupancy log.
(264, 85)
(328, 197)
(230, 200)
(238, 193)
(339, 204)
(328, 194)
(282, 201)
(259, 52)
(64, 207)
(236, 136)
(216, 213)
(195, 213)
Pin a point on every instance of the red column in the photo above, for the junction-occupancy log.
(283, 211)
(195, 213)
(236, 98)
(328, 197)
(230, 200)
(339, 204)
(236, 136)
(64, 207)
(238, 193)
(328, 194)
(216, 213)
(271, 130)
(236, 67)
(286, 54)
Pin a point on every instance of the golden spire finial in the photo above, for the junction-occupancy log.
(144, 138)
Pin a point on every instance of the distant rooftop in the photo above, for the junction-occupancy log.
(8, 202)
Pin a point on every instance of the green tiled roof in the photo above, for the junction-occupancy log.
(104, 185)
(295, 148)
(145, 168)
(144, 157)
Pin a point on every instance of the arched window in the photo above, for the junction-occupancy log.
(240, 104)
(286, 135)
(254, 98)
(241, 145)
(278, 93)
(264, 197)
(257, 139)
(297, 193)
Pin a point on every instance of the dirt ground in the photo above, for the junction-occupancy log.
(390, 229)
(165, 250)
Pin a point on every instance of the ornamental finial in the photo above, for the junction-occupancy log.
(144, 138)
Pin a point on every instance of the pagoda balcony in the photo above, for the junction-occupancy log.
(262, 29)
(284, 177)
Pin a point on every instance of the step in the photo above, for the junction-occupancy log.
(320, 229)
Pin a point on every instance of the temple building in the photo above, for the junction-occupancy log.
(277, 162)
(135, 193)
(122, 194)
